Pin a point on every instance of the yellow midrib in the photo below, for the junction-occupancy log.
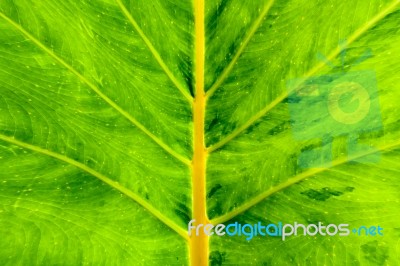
(199, 244)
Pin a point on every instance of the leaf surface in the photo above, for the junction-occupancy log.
(120, 121)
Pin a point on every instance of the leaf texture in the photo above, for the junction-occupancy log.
(120, 121)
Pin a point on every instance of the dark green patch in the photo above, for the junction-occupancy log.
(224, 129)
(186, 67)
(253, 126)
(349, 189)
(216, 258)
(215, 210)
(183, 212)
(213, 123)
(310, 147)
(376, 253)
(325, 193)
(91, 163)
(213, 190)
(279, 129)
(315, 218)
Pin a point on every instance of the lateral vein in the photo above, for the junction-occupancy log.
(239, 52)
(103, 178)
(306, 174)
(153, 50)
(357, 34)
(97, 90)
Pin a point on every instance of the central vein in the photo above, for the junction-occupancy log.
(199, 244)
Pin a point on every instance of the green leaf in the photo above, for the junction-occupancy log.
(120, 121)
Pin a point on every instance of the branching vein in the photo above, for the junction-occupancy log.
(97, 90)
